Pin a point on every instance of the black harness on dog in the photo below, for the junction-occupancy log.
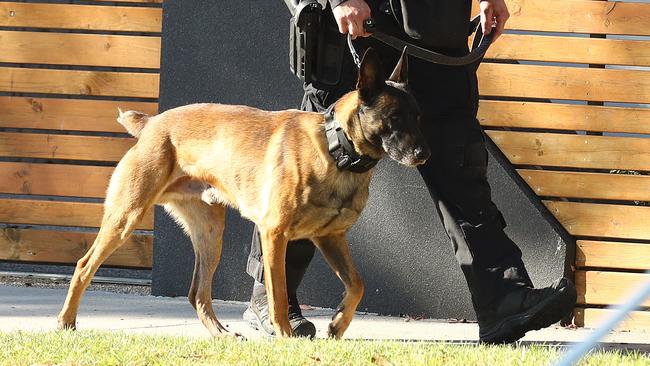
(341, 149)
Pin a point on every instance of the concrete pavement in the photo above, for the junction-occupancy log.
(35, 309)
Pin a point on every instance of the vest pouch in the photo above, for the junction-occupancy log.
(316, 48)
(303, 37)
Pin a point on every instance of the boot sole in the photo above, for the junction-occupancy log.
(541, 316)
(307, 329)
(255, 322)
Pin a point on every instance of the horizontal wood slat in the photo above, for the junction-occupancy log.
(79, 49)
(607, 288)
(582, 50)
(576, 151)
(588, 185)
(78, 82)
(21, 211)
(67, 247)
(67, 114)
(54, 179)
(579, 16)
(28, 145)
(592, 318)
(554, 82)
(86, 17)
(493, 113)
(601, 220)
(602, 254)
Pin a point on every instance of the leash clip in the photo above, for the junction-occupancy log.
(370, 26)
(353, 52)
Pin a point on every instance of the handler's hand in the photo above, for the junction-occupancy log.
(494, 11)
(350, 16)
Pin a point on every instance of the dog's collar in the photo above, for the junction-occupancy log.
(341, 149)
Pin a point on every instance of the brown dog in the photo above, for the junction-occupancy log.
(274, 167)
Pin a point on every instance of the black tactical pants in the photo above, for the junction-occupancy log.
(455, 176)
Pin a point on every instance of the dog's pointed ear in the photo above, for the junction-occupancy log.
(400, 74)
(371, 76)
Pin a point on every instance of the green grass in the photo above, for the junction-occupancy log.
(104, 348)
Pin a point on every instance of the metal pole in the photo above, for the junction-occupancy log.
(578, 351)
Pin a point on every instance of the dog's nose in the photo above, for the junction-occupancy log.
(422, 153)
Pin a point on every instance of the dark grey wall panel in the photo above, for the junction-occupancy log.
(236, 52)
(232, 52)
(224, 52)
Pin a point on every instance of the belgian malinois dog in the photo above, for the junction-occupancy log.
(274, 167)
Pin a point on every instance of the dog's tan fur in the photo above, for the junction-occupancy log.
(273, 167)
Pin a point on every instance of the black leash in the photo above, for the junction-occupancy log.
(478, 48)
(341, 149)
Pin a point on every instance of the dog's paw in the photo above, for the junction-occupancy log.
(64, 325)
(334, 331)
(339, 324)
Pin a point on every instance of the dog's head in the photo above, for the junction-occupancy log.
(388, 114)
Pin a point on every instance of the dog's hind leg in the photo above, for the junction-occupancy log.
(336, 251)
(204, 223)
(135, 185)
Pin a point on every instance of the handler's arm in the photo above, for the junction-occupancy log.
(494, 11)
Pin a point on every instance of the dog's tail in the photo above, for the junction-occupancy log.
(133, 121)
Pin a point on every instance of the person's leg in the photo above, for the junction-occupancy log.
(505, 302)
(299, 255)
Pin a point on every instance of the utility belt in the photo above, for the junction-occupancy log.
(316, 48)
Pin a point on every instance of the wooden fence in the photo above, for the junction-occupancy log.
(565, 113)
(65, 68)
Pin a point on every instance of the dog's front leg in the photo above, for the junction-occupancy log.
(274, 252)
(336, 251)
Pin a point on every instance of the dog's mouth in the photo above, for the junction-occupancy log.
(414, 162)
(408, 150)
(412, 158)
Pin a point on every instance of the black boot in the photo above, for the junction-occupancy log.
(257, 314)
(526, 309)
